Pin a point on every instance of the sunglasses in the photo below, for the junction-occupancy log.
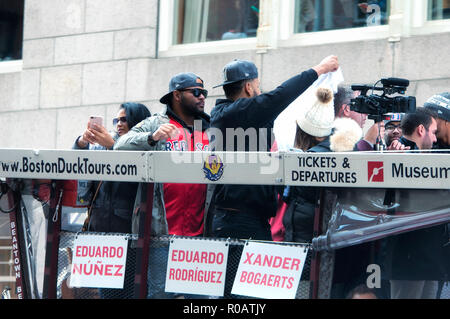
(122, 119)
(197, 92)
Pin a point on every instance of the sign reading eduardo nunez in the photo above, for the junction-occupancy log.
(269, 271)
(197, 266)
(99, 261)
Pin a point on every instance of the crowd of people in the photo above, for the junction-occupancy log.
(326, 123)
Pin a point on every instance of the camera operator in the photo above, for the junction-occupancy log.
(342, 109)
(342, 101)
(350, 271)
(377, 106)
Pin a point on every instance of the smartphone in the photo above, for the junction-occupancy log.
(95, 119)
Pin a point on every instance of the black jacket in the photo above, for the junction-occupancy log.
(257, 113)
(298, 219)
(409, 143)
(113, 208)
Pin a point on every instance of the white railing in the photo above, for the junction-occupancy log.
(353, 169)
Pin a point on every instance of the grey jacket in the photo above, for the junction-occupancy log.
(137, 139)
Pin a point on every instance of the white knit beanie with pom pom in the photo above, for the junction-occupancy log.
(318, 118)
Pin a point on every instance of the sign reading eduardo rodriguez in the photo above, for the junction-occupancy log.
(197, 266)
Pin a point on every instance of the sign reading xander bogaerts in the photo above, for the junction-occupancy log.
(269, 271)
(387, 170)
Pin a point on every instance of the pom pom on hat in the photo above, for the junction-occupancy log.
(317, 120)
(324, 95)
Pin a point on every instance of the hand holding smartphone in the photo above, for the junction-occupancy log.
(93, 119)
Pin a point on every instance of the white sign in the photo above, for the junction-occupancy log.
(124, 166)
(269, 271)
(99, 261)
(197, 267)
(373, 170)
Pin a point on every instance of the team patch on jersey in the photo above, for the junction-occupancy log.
(213, 168)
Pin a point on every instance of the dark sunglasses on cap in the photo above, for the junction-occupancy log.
(122, 119)
(197, 92)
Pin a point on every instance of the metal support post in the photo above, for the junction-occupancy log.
(51, 253)
(143, 244)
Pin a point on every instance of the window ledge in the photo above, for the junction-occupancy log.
(212, 47)
(336, 36)
(435, 26)
(10, 66)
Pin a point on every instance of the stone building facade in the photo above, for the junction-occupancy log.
(83, 57)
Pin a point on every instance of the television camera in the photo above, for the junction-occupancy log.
(379, 106)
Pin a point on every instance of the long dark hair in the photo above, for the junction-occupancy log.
(303, 140)
(135, 113)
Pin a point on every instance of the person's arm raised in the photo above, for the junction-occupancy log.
(329, 64)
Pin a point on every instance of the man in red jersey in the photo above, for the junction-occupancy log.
(180, 127)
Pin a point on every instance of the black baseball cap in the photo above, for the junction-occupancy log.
(440, 103)
(182, 81)
(238, 70)
(393, 117)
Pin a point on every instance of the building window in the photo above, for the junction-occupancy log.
(323, 15)
(438, 9)
(212, 20)
(11, 29)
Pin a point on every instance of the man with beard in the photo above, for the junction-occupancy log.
(419, 129)
(440, 103)
(180, 127)
(243, 211)
(178, 209)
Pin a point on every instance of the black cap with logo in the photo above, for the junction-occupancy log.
(440, 103)
(182, 81)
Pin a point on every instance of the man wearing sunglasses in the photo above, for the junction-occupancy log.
(178, 209)
(180, 127)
